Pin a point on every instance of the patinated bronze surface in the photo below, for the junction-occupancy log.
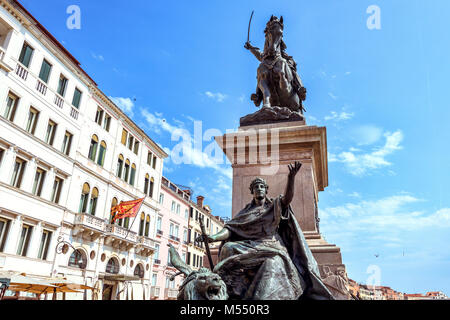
(279, 85)
(264, 255)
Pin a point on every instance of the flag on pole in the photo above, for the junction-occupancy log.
(126, 209)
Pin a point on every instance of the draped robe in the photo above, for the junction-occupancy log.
(267, 258)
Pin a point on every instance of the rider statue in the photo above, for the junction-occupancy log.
(278, 82)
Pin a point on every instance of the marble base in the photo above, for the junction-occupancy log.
(265, 151)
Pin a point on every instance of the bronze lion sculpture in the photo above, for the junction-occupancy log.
(198, 285)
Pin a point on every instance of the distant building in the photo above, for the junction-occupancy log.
(417, 296)
(437, 295)
(171, 228)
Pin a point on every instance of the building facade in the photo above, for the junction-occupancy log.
(67, 155)
(172, 223)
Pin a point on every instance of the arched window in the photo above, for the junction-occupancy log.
(127, 170)
(147, 225)
(141, 224)
(139, 271)
(152, 186)
(84, 198)
(93, 202)
(119, 166)
(112, 266)
(126, 222)
(93, 147)
(78, 259)
(113, 204)
(147, 180)
(133, 174)
(101, 154)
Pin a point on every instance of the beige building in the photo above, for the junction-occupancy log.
(196, 251)
(67, 155)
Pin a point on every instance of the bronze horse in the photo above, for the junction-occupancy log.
(278, 81)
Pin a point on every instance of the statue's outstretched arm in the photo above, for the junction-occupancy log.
(289, 194)
(222, 235)
(256, 52)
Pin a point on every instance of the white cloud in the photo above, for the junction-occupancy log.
(125, 104)
(189, 154)
(339, 116)
(366, 134)
(332, 96)
(359, 163)
(98, 57)
(385, 215)
(219, 97)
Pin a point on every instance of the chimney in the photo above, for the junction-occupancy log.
(200, 201)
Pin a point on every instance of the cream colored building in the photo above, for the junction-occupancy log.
(196, 251)
(67, 155)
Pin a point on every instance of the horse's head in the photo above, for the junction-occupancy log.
(274, 36)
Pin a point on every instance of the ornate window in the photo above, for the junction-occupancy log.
(141, 224)
(133, 174)
(93, 202)
(84, 198)
(93, 148)
(139, 271)
(146, 181)
(113, 204)
(119, 166)
(101, 154)
(126, 172)
(147, 225)
(112, 266)
(78, 259)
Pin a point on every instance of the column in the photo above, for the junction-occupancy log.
(35, 241)
(48, 184)
(7, 166)
(28, 176)
(13, 235)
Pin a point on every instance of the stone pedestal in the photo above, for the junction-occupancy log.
(265, 151)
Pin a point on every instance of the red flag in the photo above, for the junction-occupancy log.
(126, 209)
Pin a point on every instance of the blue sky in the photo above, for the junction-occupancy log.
(382, 94)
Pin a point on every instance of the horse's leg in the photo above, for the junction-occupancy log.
(264, 86)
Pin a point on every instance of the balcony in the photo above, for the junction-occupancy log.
(88, 226)
(22, 72)
(41, 87)
(59, 101)
(159, 232)
(74, 113)
(171, 237)
(145, 246)
(156, 261)
(154, 292)
(119, 237)
(170, 294)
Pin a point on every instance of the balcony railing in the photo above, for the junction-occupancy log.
(120, 232)
(160, 232)
(87, 220)
(21, 72)
(174, 238)
(156, 261)
(74, 113)
(88, 226)
(171, 293)
(146, 242)
(59, 101)
(41, 87)
(154, 292)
